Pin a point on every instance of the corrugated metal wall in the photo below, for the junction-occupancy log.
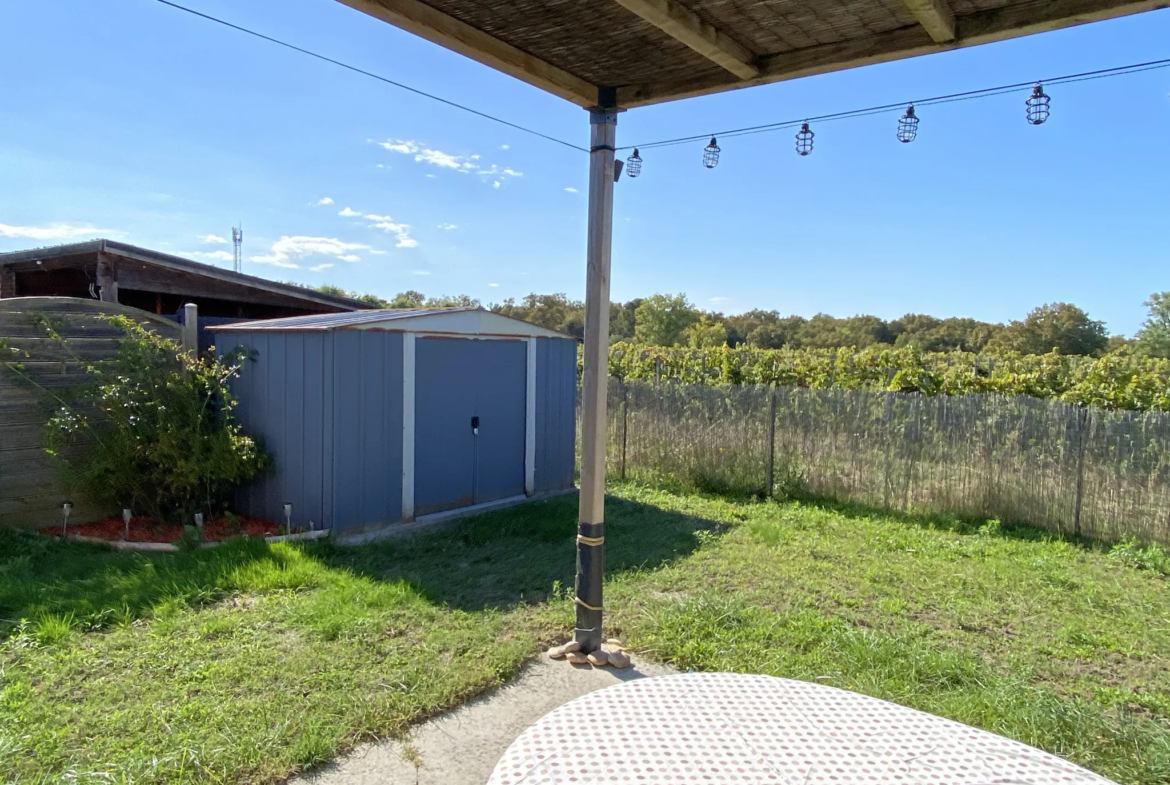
(286, 397)
(329, 407)
(367, 411)
(556, 413)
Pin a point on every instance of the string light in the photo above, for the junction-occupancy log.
(1038, 105)
(908, 126)
(711, 154)
(634, 164)
(804, 140)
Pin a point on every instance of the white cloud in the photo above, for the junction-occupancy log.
(324, 201)
(348, 213)
(402, 231)
(493, 284)
(287, 250)
(213, 238)
(56, 231)
(421, 272)
(447, 227)
(427, 155)
(505, 147)
(318, 268)
(571, 190)
(720, 299)
(219, 256)
(465, 164)
(496, 184)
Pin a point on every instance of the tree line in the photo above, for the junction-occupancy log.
(671, 320)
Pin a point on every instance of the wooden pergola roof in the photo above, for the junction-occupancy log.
(633, 53)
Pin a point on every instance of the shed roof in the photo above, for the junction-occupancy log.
(632, 53)
(449, 321)
(178, 263)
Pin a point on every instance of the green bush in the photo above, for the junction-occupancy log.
(1116, 381)
(155, 430)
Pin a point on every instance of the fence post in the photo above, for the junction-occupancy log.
(771, 461)
(190, 336)
(1082, 427)
(625, 422)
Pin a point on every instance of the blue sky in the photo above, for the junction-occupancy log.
(130, 120)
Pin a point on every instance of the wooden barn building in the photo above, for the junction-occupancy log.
(157, 283)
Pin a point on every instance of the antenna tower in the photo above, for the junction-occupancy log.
(238, 243)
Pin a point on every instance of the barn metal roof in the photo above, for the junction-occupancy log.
(632, 53)
(181, 264)
(453, 321)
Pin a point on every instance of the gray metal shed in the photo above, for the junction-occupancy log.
(383, 416)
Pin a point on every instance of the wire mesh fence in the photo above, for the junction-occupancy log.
(1018, 459)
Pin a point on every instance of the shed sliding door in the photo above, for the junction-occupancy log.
(461, 384)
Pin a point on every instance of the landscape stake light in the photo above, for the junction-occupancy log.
(804, 140)
(199, 520)
(126, 520)
(66, 508)
(1038, 105)
(634, 164)
(908, 126)
(288, 518)
(711, 155)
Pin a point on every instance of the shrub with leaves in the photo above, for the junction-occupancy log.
(156, 429)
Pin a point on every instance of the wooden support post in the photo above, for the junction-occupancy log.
(191, 328)
(591, 516)
(7, 282)
(625, 424)
(107, 279)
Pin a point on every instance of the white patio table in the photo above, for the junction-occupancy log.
(732, 728)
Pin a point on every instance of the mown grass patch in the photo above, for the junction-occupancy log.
(247, 662)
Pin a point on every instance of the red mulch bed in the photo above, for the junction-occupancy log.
(144, 529)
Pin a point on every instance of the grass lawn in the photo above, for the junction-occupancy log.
(247, 662)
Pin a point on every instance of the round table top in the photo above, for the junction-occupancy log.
(733, 728)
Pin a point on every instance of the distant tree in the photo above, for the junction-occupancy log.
(942, 335)
(553, 311)
(828, 332)
(707, 333)
(407, 299)
(776, 334)
(1060, 326)
(1153, 340)
(621, 320)
(662, 319)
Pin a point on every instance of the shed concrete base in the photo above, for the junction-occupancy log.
(437, 520)
(463, 746)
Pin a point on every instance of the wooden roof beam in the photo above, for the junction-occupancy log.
(685, 26)
(447, 31)
(935, 16)
(979, 28)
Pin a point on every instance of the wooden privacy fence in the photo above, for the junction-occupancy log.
(1098, 473)
(30, 489)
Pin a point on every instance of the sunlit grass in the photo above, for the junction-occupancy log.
(247, 662)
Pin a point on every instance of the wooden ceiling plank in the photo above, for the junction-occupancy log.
(935, 16)
(447, 31)
(685, 26)
(981, 28)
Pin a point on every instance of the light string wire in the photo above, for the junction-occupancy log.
(986, 92)
(371, 75)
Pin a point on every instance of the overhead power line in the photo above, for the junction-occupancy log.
(364, 72)
(968, 95)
